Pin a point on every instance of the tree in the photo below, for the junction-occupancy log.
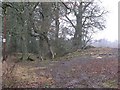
(51, 27)
(89, 16)
(21, 24)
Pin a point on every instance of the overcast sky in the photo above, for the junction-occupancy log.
(111, 31)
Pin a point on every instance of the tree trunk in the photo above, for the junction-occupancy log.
(24, 43)
(25, 34)
(77, 41)
(57, 20)
(46, 8)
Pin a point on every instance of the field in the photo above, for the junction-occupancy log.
(91, 68)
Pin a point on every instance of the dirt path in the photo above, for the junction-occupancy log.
(94, 69)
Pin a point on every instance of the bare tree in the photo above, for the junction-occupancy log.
(89, 16)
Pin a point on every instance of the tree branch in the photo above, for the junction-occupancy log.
(70, 21)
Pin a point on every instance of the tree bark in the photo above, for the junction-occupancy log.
(77, 41)
(57, 20)
(46, 8)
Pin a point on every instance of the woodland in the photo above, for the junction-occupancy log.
(48, 45)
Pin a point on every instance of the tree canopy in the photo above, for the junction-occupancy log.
(50, 29)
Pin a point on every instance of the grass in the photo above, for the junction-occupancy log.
(110, 84)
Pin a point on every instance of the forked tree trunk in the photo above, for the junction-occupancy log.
(46, 8)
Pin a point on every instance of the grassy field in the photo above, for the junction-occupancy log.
(91, 68)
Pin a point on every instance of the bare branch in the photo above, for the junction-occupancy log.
(70, 21)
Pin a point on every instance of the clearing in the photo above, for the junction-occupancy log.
(91, 68)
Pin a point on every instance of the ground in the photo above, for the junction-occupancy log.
(91, 68)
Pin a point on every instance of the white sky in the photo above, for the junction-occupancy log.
(111, 31)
